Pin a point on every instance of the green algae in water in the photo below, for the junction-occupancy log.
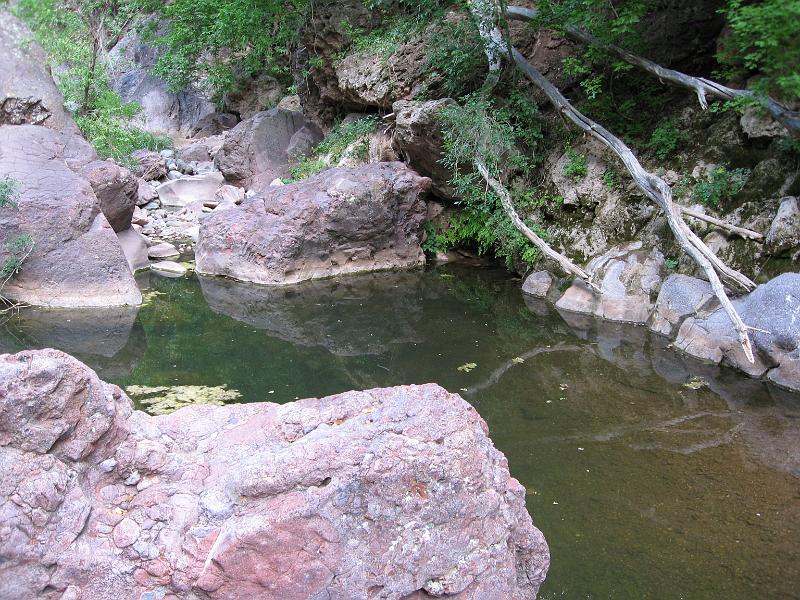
(162, 400)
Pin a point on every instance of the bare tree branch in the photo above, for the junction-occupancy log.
(701, 86)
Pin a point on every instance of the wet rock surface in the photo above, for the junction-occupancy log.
(340, 221)
(397, 491)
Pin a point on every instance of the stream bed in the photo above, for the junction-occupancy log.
(651, 475)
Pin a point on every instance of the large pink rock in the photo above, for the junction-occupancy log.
(76, 258)
(341, 221)
(389, 493)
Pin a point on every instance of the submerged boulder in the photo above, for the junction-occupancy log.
(76, 259)
(341, 221)
(395, 491)
(257, 150)
(628, 278)
(772, 310)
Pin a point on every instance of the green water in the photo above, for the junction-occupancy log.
(644, 487)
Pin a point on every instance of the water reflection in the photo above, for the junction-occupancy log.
(652, 475)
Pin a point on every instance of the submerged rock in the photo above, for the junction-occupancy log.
(394, 490)
(628, 276)
(341, 221)
(773, 311)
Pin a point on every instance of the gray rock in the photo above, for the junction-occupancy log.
(145, 193)
(168, 267)
(28, 95)
(758, 126)
(256, 151)
(399, 489)
(117, 190)
(290, 103)
(214, 124)
(680, 296)
(773, 309)
(538, 284)
(162, 251)
(340, 221)
(628, 277)
(150, 165)
(173, 175)
(182, 191)
(784, 233)
(76, 259)
(134, 246)
(417, 137)
(229, 193)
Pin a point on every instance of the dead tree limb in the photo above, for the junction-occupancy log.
(505, 198)
(701, 86)
(740, 231)
(657, 190)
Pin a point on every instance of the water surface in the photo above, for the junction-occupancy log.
(650, 474)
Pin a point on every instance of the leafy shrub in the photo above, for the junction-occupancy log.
(763, 39)
(332, 148)
(722, 183)
(480, 130)
(611, 178)
(666, 138)
(575, 166)
(457, 58)
(9, 190)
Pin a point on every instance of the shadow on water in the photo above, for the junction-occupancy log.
(651, 474)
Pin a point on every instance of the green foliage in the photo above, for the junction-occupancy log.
(671, 263)
(764, 39)
(102, 117)
(9, 191)
(480, 131)
(575, 166)
(456, 57)
(611, 178)
(721, 184)
(18, 247)
(382, 41)
(332, 148)
(666, 138)
(213, 38)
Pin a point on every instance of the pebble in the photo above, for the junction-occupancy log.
(125, 533)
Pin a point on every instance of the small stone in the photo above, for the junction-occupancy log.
(277, 181)
(162, 251)
(133, 478)
(173, 175)
(538, 284)
(108, 465)
(125, 533)
(168, 267)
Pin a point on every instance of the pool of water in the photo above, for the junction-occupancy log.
(650, 474)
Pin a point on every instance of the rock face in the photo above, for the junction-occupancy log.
(340, 221)
(628, 277)
(784, 233)
(256, 151)
(773, 309)
(162, 111)
(76, 258)
(680, 296)
(252, 95)
(28, 95)
(397, 492)
(417, 136)
(117, 190)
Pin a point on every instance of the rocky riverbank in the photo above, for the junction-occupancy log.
(397, 492)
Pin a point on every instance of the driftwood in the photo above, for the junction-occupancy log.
(701, 86)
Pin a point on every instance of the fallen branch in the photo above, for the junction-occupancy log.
(505, 198)
(740, 231)
(701, 86)
(657, 190)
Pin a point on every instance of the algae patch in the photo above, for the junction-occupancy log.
(162, 400)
